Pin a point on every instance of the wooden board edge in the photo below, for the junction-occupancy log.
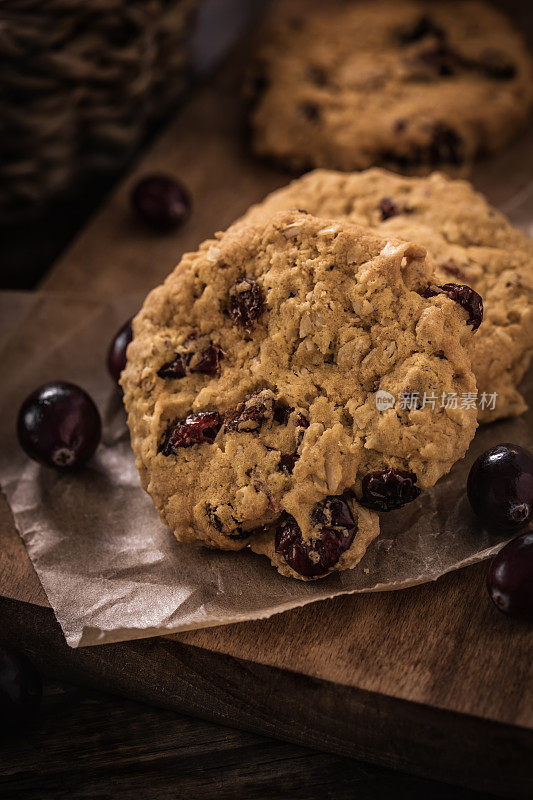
(398, 734)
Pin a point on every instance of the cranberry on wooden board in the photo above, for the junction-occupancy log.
(500, 487)
(116, 355)
(161, 202)
(510, 578)
(59, 426)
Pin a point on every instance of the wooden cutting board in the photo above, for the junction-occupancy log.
(431, 680)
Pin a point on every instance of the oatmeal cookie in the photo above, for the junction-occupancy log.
(398, 83)
(252, 383)
(471, 242)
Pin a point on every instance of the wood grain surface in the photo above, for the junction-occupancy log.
(283, 704)
(86, 745)
(431, 680)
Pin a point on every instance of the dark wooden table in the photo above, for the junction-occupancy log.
(90, 746)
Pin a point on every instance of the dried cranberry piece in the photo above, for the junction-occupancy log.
(195, 429)
(213, 519)
(452, 269)
(235, 533)
(246, 303)
(440, 59)
(422, 27)
(495, 65)
(388, 208)
(389, 489)
(258, 85)
(282, 413)
(334, 532)
(302, 421)
(311, 111)
(177, 368)
(445, 146)
(466, 297)
(209, 361)
(251, 414)
(318, 75)
(287, 462)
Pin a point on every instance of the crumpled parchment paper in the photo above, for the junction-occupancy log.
(111, 570)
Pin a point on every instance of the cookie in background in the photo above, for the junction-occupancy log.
(408, 85)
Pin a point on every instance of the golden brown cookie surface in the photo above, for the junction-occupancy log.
(471, 242)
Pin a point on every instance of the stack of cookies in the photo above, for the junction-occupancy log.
(330, 355)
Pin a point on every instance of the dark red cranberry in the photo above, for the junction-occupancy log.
(422, 27)
(251, 414)
(466, 297)
(177, 368)
(318, 76)
(236, 532)
(116, 355)
(20, 688)
(213, 519)
(451, 268)
(446, 146)
(161, 202)
(311, 111)
(59, 426)
(388, 208)
(197, 428)
(287, 462)
(496, 66)
(500, 487)
(334, 532)
(510, 578)
(209, 360)
(257, 87)
(399, 126)
(246, 303)
(439, 59)
(301, 421)
(389, 489)
(282, 413)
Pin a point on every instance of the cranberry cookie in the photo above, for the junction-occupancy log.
(399, 83)
(252, 382)
(471, 242)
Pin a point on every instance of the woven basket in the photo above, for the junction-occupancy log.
(79, 82)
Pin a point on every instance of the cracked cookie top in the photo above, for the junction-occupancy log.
(400, 83)
(471, 242)
(252, 379)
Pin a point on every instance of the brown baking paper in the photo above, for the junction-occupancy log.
(111, 570)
